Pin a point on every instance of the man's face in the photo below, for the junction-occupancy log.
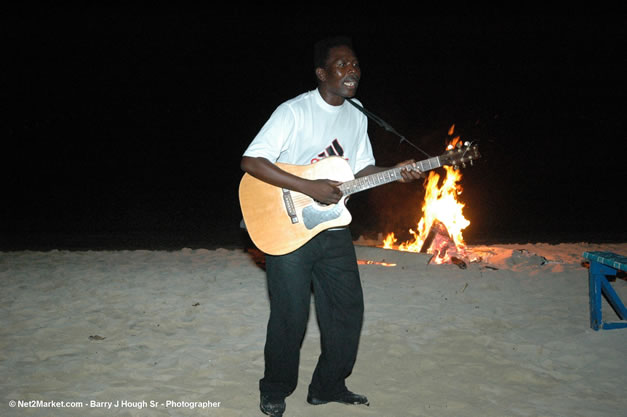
(340, 78)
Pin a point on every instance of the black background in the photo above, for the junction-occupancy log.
(125, 129)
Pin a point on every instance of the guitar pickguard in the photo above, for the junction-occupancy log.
(312, 216)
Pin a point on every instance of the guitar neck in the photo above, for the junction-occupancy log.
(385, 177)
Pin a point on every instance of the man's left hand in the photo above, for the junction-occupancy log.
(411, 174)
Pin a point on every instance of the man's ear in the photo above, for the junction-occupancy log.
(321, 74)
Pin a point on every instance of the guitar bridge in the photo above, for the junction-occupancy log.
(289, 206)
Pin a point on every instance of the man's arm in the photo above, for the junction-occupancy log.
(408, 175)
(324, 191)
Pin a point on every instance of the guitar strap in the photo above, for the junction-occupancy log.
(384, 125)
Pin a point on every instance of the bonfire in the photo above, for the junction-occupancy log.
(439, 231)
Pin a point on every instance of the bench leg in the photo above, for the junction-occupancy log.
(598, 286)
(594, 283)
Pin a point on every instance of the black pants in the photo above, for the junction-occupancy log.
(328, 263)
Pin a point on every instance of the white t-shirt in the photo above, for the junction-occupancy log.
(306, 129)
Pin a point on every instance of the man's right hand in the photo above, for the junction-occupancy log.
(323, 191)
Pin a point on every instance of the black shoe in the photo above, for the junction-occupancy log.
(273, 407)
(344, 398)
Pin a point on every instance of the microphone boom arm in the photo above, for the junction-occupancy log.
(385, 125)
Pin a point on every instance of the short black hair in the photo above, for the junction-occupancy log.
(323, 47)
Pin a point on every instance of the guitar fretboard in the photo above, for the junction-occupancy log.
(385, 177)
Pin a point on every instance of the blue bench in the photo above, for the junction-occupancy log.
(602, 264)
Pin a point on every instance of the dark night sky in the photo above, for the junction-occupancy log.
(132, 125)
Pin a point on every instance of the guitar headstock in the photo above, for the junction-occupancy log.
(461, 155)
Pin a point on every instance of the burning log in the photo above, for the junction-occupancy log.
(437, 229)
(369, 255)
(441, 245)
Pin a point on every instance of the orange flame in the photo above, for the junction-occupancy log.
(453, 143)
(389, 241)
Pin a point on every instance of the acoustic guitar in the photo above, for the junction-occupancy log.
(280, 221)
